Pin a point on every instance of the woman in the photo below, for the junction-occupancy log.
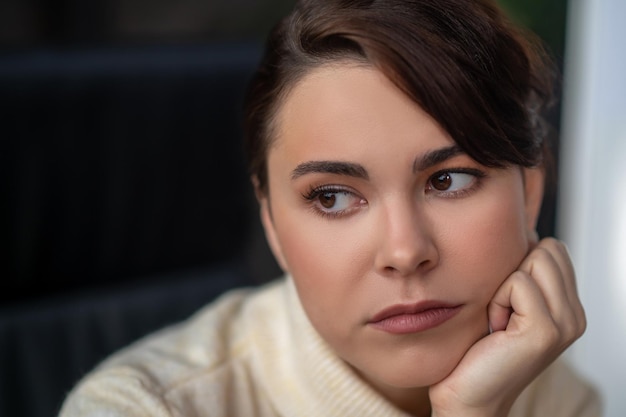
(397, 153)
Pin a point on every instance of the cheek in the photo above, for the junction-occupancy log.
(325, 259)
(490, 241)
(330, 262)
(308, 248)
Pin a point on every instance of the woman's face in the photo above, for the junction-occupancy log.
(396, 239)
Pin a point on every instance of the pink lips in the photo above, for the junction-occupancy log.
(413, 318)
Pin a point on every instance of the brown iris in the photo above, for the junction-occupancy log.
(442, 181)
(327, 200)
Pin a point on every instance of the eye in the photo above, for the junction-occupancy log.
(334, 201)
(454, 182)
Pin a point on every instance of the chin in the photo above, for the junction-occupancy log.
(424, 377)
(424, 366)
(412, 371)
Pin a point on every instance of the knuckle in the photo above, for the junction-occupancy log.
(572, 327)
(519, 276)
(582, 322)
(553, 242)
(551, 246)
(538, 257)
(549, 336)
(571, 330)
(542, 254)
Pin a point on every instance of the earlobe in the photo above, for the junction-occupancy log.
(270, 232)
(534, 181)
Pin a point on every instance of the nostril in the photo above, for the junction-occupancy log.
(408, 268)
(425, 264)
(390, 269)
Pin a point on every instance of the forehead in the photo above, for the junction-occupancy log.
(312, 89)
(346, 106)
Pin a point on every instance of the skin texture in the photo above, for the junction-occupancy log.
(390, 226)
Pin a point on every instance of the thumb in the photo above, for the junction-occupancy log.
(499, 316)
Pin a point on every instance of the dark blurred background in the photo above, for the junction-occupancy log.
(124, 203)
(71, 23)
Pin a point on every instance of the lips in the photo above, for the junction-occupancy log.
(413, 318)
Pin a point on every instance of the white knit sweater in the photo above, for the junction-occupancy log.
(254, 353)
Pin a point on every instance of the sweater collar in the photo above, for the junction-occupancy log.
(304, 376)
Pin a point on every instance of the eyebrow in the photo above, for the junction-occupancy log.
(330, 167)
(422, 163)
(437, 156)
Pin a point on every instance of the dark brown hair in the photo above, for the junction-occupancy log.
(459, 60)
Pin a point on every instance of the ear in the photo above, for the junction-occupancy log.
(534, 180)
(270, 229)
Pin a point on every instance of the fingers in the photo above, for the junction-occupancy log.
(518, 303)
(553, 253)
(550, 267)
(499, 316)
(546, 270)
(563, 259)
(541, 296)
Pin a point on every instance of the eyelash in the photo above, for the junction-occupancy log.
(476, 173)
(313, 193)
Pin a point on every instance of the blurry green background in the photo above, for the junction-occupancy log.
(544, 17)
(26, 23)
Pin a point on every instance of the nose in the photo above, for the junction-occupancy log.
(406, 240)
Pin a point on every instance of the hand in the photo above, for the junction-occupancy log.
(535, 315)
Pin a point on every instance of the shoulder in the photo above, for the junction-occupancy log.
(558, 392)
(116, 392)
(161, 374)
